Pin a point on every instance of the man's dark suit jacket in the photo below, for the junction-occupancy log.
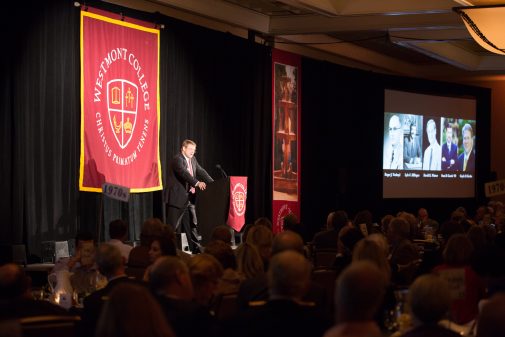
(446, 165)
(93, 305)
(179, 180)
(470, 164)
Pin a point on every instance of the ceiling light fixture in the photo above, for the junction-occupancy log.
(486, 25)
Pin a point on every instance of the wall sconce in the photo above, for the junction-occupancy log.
(486, 25)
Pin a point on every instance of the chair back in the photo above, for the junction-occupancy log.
(324, 258)
(226, 306)
(326, 278)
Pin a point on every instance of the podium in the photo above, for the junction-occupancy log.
(212, 206)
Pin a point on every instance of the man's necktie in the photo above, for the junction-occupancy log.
(190, 169)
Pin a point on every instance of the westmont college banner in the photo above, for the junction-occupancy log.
(119, 104)
(286, 112)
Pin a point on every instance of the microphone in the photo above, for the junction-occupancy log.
(221, 170)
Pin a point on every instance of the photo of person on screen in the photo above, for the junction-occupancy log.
(449, 151)
(466, 160)
(393, 147)
(412, 148)
(433, 153)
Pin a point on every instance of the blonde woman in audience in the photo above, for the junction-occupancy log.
(205, 271)
(131, 311)
(261, 237)
(249, 261)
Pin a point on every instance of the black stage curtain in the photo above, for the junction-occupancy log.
(215, 89)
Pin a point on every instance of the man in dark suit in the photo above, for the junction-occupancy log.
(184, 176)
(466, 160)
(449, 151)
(112, 265)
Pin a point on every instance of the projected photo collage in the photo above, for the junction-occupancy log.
(428, 144)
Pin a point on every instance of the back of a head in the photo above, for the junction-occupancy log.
(491, 321)
(109, 260)
(477, 236)
(339, 220)
(261, 237)
(121, 316)
(83, 235)
(429, 298)
(13, 282)
(287, 240)
(458, 251)
(288, 275)
(359, 292)
(249, 261)
(150, 228)
(263, 221)
(222, 252)
(164, 272)
(221, 232)
(166, 239)
(118, 229)
(400, 228)
(369, 250)
(290, 222)
(361, 217)
(349, 236)
(205, 271)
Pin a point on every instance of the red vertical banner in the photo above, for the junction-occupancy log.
(238, 198)
(286, 113)
(119, 103)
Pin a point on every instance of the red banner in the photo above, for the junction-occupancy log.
(238, 197)
(286, 113)
(119, 104)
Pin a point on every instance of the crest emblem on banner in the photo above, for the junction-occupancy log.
(239, 199)
(122, 103)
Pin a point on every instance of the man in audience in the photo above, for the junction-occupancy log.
(404, 254)
(16, 299)
(429, 300)
(285, 313)
(82, 266)
(118, 232)
(358, 294)
(111, 264)
(171, 284)
(328, 238)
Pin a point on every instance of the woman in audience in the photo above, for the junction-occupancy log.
(261, 237)
(467, 289)
(161, 245)
(230, 281)
(121, 316)
(249, 261)
(205, 271)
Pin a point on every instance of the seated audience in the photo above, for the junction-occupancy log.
(231, 279)
(131, 311)
(170, 282)
(429, 301)
(139, 255)
(466, 288)
(491, 322)
(111, 264)
(328, 238)
(205, 271)
(285, 313)
(84, 276)
(16, 299)
(358, 295)
(249, 261)
(118, 232)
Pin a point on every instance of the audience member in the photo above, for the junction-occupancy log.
(223, 233)
(328, 238)
(249, 261)
(16, 299)
(131, 311)
(429, 301)
(491, 321)
(358, 295)
(111, 264)
(405, 257)
(467, 289)
(118, 232)
(261, 237)
(284, 314)
(292, 223)
(170, 281)
(363, 221)
(347, 239)
(231, 279)
(139, 255)
(205, 271)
